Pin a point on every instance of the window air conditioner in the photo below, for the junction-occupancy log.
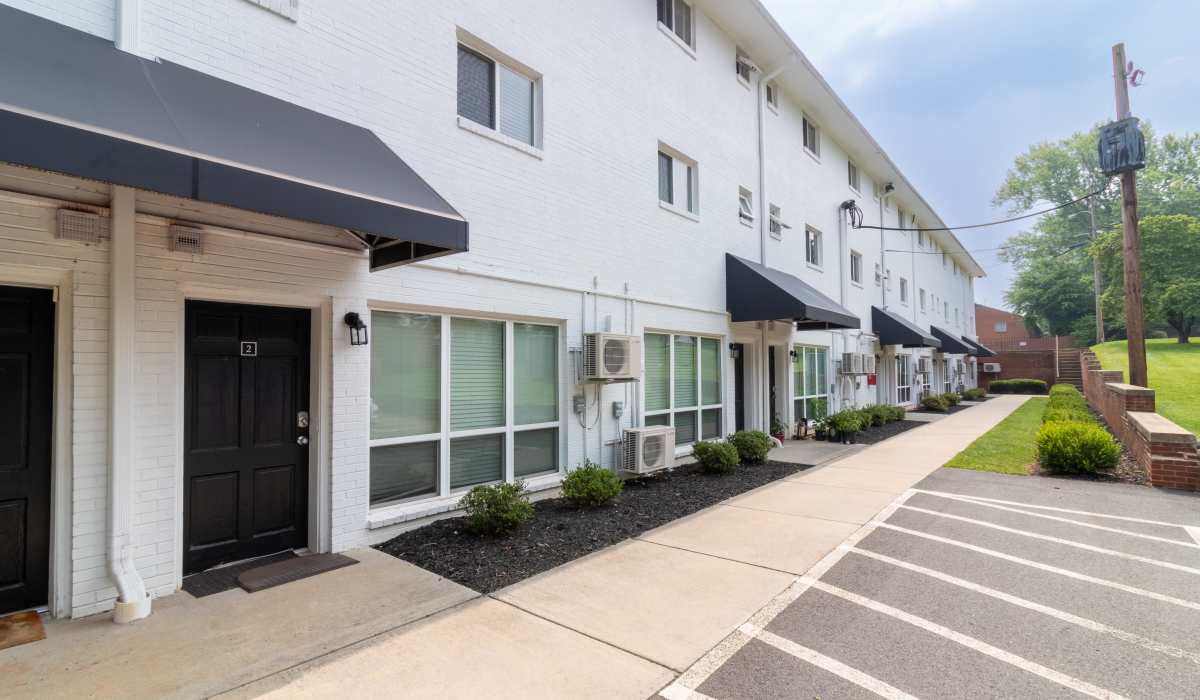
(923, 365)
(608, 357)
(868, 363)
(991, 367)
(648, 449)
(852, 363)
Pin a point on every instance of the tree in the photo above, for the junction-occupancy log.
(1053, 258)
(1170, 258)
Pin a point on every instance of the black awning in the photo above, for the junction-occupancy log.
(978, 349)
(951, 344)
(893, 329)
(72, 103)
(755, 292)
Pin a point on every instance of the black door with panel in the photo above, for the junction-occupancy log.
(26, 430)
(739, 386)
(246, 432)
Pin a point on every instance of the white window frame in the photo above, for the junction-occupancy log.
(904, 378)
(811, 146)
(947, 376)
(739, 67)
(798, 392)
(700, 406)
(687, 43)
(923, 300)
(498, 59)
(853, 177)
(685, 183)
(814, 245)
(1000, 327)
(772, 91)
(444, 436)
(904, 291)
(856, 278)
(946, 310)
(745, 206)
(777, 224)
(926, 386)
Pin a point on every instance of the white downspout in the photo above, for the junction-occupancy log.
(128, 31)
(134, 601)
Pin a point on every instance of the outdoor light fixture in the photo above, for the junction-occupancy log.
(358, 328)
(734, 353)
(793, 354)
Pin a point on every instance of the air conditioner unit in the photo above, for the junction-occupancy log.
(991, 367)
(923, 365)
(958, 367)
(648, 449)
(852, 363)
(868, 363)
(608, 357)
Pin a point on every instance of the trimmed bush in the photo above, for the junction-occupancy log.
(591, 485)
(880, 415)
(715, 457)
(951, 398)
(1073, 447)
(1017, 386)
(847, 421)
(1067, 404)
(935, 402)
(975, 394)
(752, 446)
(495, 510)
(1063, 415)
(895, 413)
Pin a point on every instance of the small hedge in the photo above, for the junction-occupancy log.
(1017, 386)
(975, 394)
(1073, 447)
(935, 402)
(951, 398)
(1067, 404)
(715, 457)
(752, 446)
(591, 485)
(495, 510)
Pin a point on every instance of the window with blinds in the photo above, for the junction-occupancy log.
(682, 385)
(496, 94)
(810, 382)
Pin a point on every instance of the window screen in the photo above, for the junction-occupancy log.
(476, 87)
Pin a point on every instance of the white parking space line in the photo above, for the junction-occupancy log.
(1046, 567)
(678, 692)
(1076, 684)
(1053, 508)
(1059, 540)
(1083, 622)
(829, 664)
(1194, 532)
(1130, 533)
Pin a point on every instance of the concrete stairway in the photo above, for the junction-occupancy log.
(1069, 368)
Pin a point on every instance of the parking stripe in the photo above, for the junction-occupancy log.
(1059, 540)
(1046, 567)
(1130, 533)
(1053, 508)
(1092, 625)
(1194, 532)
(970, 642)
(827, 663)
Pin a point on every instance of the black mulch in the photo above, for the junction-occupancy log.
(880, 433)
(952, 409)
(559, 532)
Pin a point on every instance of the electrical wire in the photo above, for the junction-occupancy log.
(856, 222)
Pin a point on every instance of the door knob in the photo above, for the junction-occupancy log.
(302, 440)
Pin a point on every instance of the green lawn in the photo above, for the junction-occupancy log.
(1008, 447)
(1174, 370)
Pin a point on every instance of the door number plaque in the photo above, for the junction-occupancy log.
(249, 349)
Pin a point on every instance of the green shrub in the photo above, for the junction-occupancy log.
(591, 485)
(494, 510)
(1063, 415)
(1067, 404)
(879, 414)
(895, 413)
(715, 457)
(951, 398)
(975, 394)
(935, 402)
(752, 446)
(1017, 386)
(847, 421)
(1073, 447)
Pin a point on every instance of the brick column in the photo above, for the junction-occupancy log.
(1168, 452)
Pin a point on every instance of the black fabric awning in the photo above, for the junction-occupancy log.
(72, 103)
(951, 344)
(893, 329)
(978, 349)
(755, 292)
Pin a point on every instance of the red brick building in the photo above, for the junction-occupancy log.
(998, 326)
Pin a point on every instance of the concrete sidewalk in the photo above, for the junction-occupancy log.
(625, 621)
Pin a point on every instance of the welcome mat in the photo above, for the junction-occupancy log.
(288, 570)
(225, 578)
(21, 628)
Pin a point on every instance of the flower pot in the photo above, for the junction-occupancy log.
(779, 436)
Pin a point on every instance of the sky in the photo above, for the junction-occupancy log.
(954, 90)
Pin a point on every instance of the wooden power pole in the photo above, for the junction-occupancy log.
(1132, 246)
(1097, 283)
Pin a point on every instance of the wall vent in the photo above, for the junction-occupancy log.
(82, 226)
(186, 239)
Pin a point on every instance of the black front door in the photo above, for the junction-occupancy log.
(26, 393)
(739, 385)
(246, 432)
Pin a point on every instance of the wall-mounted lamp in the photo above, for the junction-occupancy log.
(793, 354)
(734, 351)
(358, 328)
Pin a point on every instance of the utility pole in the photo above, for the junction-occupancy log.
(1097, 284)
(1132, 239)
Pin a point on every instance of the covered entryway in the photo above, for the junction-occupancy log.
(246, 432)
(26, 393)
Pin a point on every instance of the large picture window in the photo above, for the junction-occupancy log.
(903, 379)
(810, 383)
(457, 402)
(682, 385)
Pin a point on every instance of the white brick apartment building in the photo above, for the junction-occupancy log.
(184, 405)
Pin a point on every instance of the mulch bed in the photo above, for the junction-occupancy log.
(952, 409)
(880, 433)
(560, 532)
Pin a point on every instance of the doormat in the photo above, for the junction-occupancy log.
(288, 570)
(225, 578)
(21, 628)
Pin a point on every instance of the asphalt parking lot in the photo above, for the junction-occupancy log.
(976, 585)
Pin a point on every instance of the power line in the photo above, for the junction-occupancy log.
(858, 219)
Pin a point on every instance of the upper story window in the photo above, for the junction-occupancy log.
(920, 239)
(812, 137)
(676, 15)
(956, 315)
(745, 206)
(852, 175)
(773, 95)
(903, 291)
(498, 95)
(900, 218)
(856, 267)
(777, 223)
(946, 310)
(1000, 326)
(677, 183)
(921, 298)
(741, 64)
(945, 258)
(812, 246)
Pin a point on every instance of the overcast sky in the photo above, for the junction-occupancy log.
(954, 90)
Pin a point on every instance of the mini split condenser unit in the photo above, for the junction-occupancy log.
(608, 357)
(857, 363)
(922, 365)
(648, 449)
(868, 363)
(991, 367)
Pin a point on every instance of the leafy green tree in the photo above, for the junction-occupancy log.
(1052, 288)
(1170, 263)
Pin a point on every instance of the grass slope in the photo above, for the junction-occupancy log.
(1008, 447)
(1174, 371)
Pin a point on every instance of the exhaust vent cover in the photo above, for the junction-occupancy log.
(186, 239)
(82, 226)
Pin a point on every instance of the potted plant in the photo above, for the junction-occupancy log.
(846, 423)
(778, 430)
(821, 428)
